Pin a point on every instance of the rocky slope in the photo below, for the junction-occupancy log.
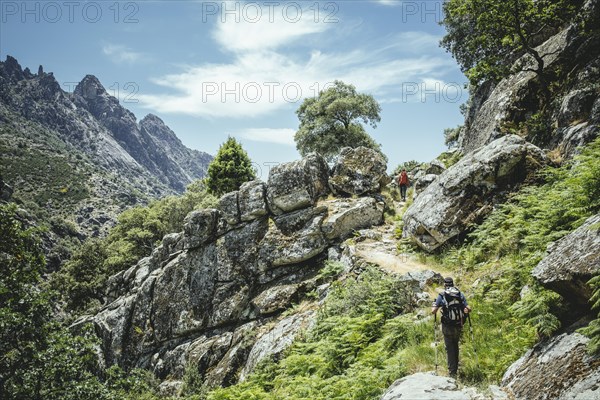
(466, 192)
(213, 295)
(495, 162)
(82, 158)
(572, 62)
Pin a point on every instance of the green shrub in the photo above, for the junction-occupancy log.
(230, 168)
(593, 329)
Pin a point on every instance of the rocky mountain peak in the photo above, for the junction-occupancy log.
(90, 88)
(158, 129)
(91, 95)
(90, 136)
(11, 70)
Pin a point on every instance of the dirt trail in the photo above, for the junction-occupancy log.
(380, 248)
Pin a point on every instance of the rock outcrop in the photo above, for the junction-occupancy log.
(572, 120)
(212, 295)
(427, 386)
(346, 216)
(423, 182)
(466, 192)
(359, 171)
(571, 263)
(272, 342)
(559, 369)
(298, 184)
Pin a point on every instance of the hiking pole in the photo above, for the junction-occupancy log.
(435, 341)
(473, 339)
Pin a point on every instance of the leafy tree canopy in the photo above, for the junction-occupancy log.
(335, 119)
(487, 36)
(39, 359)
(230, 168)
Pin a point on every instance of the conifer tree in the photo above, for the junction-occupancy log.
(230, 168)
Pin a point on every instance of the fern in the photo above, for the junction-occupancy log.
(535, 309)
(593, 329)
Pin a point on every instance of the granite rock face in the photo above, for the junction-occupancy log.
(465, 192)
(346, 216)
(559, 369)
(272, 342)
(571, 263)
(206, 295)
(424, 181)
(427, 386)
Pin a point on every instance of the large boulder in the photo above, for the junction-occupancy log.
(435, 167)
(225, 373)
(559, 369)
(465, 192)
(297, 184)
(293, 238)
(426, 386)
(230, 208)
(347, 215)
(359, 171)
(573, 137)
(572, 261)
(276, 298)
(424, 181)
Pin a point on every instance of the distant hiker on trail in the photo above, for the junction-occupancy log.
(403, 183)
(454, 312)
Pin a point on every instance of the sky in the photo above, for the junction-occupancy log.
(213, 69)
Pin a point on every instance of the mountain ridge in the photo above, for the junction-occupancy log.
(82, 158)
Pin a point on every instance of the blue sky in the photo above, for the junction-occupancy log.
(213, 69)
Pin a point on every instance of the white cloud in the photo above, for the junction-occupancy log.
(260, 27)
(256, 84)
(264, 76)
(121, 54)
(390, 3)
(283, 136)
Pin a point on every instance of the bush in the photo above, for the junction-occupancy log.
(593, 329)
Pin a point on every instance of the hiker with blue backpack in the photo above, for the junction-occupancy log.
(455, 311)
